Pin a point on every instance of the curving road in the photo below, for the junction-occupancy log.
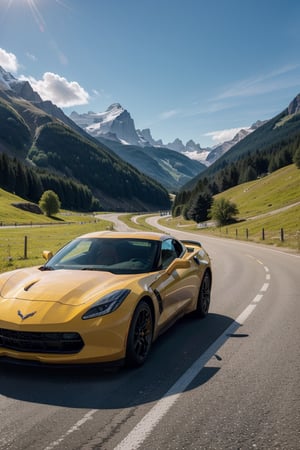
(230, 381)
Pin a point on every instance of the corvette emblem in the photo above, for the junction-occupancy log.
(26, 315)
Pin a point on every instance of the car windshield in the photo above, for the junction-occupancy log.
(122, 256)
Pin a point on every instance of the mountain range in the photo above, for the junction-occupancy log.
(115, 129)
(115, 125)
(42, 148)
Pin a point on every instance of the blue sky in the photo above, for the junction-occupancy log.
(192, 69)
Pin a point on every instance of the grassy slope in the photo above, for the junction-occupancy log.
(270, 193)
(259, 203)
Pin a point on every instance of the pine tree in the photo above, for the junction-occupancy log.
(199, 207)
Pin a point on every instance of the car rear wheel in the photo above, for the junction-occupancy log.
(140, 335)
(204, 296)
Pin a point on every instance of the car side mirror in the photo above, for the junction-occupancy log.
(178, 264)
(47, 254)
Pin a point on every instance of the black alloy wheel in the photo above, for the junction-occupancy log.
(140, 335)
(204, 296)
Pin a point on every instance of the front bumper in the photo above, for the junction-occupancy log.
(100, 340)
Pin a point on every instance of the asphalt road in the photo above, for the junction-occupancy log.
(230, 381)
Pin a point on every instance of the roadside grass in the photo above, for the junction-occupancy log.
(42, 232)
(137, 221)
(13, 254)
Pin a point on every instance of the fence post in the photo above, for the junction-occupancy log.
(247, 233)
(263, 234)
(25, 247)
(281, 234)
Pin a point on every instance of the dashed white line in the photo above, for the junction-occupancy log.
(257, 299)
(75, 427)
(265, 287)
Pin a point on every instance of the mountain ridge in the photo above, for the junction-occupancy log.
(52, 149)
(116, 125)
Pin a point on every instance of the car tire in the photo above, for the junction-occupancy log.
(204, 296)
(140, 335)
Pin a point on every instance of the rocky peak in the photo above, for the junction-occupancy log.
(6, 78)
(24, 90)
(294, 106)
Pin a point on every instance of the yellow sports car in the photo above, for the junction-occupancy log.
(103, 298)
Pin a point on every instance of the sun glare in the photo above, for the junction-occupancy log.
(36, 14)
(33, 6)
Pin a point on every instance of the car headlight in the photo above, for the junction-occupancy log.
(106, 304)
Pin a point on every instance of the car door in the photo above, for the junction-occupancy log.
(173, 289)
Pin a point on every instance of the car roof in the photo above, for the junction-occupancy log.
(127, 235)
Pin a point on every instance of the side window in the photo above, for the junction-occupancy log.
(168, 252)
(178, 248)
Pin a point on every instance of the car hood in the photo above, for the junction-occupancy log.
(68, 287)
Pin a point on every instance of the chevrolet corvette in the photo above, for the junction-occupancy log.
(103, 298)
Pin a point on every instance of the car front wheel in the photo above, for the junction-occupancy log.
(204, 296)
(140, 335)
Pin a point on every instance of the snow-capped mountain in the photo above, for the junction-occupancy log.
(20, 87)
(6, 79)
(114, 124)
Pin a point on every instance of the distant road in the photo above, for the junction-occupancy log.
(114, 218)
(229, 382)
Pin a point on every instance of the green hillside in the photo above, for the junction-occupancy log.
(266, 194)
(268, 148)
(270, 203)
(274, 145)
(39, 152)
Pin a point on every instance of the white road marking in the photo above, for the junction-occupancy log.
(75, 427)
(264, 287)
(257, 298)
(140, 432)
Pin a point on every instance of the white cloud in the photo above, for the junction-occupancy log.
(60, 91)
(220, 136)
(8, 61)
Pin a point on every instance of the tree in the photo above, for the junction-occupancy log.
(223, 211)
(200, 206)
(297, 158)
(49, 203)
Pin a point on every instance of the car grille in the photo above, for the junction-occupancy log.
(37, 342)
